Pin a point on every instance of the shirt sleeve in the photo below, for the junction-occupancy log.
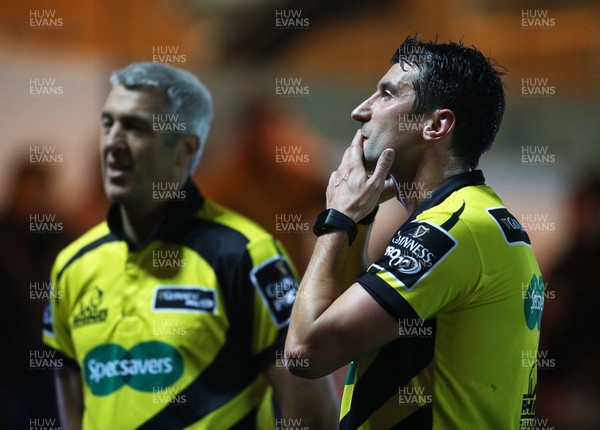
(56, 331)
(274, 281)
(431, 265)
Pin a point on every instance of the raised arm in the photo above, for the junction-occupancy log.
(334, 320)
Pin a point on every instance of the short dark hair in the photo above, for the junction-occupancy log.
(460, 78)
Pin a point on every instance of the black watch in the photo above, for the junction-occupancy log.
(332, 219)
(370, 217)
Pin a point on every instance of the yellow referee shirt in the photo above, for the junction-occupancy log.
(464, 285)
(175, 332)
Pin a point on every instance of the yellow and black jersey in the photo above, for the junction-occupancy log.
(463, 283)
(175, 332)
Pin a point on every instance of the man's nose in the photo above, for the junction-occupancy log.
(362, 113)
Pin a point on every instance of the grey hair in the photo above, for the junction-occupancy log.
(188, 96)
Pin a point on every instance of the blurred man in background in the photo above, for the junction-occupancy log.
(442, 329)
(172, 313)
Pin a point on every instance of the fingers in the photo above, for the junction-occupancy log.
(382, 169)
(354, 152)
(388, 192)
(352, 190)
(358, 139)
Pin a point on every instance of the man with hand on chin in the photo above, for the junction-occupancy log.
(436, 328)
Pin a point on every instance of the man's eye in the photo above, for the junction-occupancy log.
(388, 93)
(136, 126)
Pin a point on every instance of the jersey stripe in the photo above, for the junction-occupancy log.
(89, 247)
(227, 375)
(386, 296)
(395, 365)
(206, 239)
(248, 422)
(472, 178)
(420, 420)
(453, 219)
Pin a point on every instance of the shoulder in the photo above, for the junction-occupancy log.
(224, 237)
(464, 211)
(227, 225)
(88, 242)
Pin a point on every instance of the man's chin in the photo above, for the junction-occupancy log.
(370, 165)
(117, 193)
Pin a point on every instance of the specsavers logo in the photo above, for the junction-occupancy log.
(146, 366)
(534, 303)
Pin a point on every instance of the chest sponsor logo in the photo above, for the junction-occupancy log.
(169, 298)
(90, 309)
(415, 250)
(277, 287)
(511, 228)
(534, 303)
(144, 367)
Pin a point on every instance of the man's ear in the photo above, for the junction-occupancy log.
(439, 125)
(186, 150)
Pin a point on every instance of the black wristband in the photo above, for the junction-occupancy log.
(370, 217)
(332, 219)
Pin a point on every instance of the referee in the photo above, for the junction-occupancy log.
(441, 331)
(172, 314)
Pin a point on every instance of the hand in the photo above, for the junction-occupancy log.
(351, 189)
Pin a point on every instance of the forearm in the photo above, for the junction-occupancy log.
(69, 398)
(322, 282)
(309, 404)
(321, 285)
(317, 326)
(355, 261)
(312, 404)
(334, 266)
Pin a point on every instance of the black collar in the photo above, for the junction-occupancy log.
(177, 215)
(473, 177)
